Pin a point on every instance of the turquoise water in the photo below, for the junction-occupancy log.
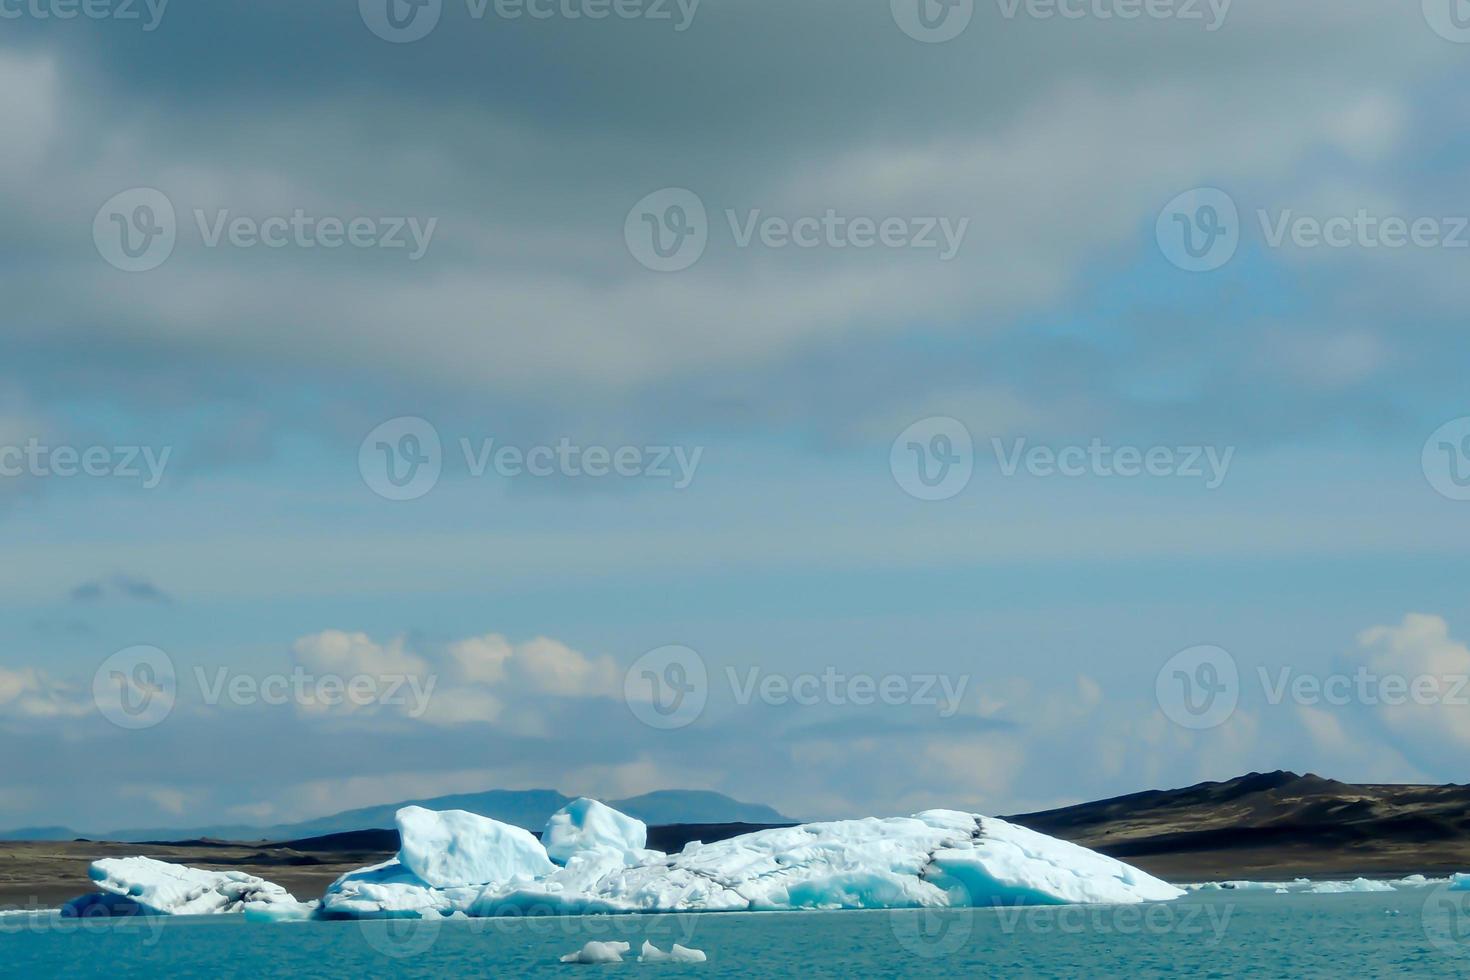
(1208, 934)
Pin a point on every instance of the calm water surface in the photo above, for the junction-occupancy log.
(1419, 931)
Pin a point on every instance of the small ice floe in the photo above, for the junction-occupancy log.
(1459, 883)
(1356, 885)
(1391, 912)
(1281, 891)
(595, 952)
(679, 954)
(143, 886)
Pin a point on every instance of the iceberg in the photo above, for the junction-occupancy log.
(587, 825)
(143, 886)
(454, 847)
(1342, 887)
(938, 858)
(1460, 882)
(595, 952)
(679, 954)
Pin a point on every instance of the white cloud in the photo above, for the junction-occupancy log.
(1421, 653)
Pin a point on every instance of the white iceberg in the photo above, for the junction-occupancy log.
(1342, 887)
(934, 859)
(679, 954)
(595, 952)
(140, 885)
(587, 825)
(1249, 886)
(454, 847)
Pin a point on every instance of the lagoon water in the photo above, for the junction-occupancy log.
(1420, 931)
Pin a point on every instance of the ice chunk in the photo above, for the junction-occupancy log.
(584, 825)
(595, 952)
(1004, 863)
(389, 890)
(159, 888)
(281, 911)
(453, 847)
(1249, 886)
(935, 859)
(679, 954)
(1459, 882)
(1356, 885)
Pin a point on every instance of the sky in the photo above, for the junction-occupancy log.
(850, 406)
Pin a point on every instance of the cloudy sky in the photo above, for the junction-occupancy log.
(846, 405)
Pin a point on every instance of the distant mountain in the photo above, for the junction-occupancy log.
(40, 833)
(1274, 825)
(522, 808)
